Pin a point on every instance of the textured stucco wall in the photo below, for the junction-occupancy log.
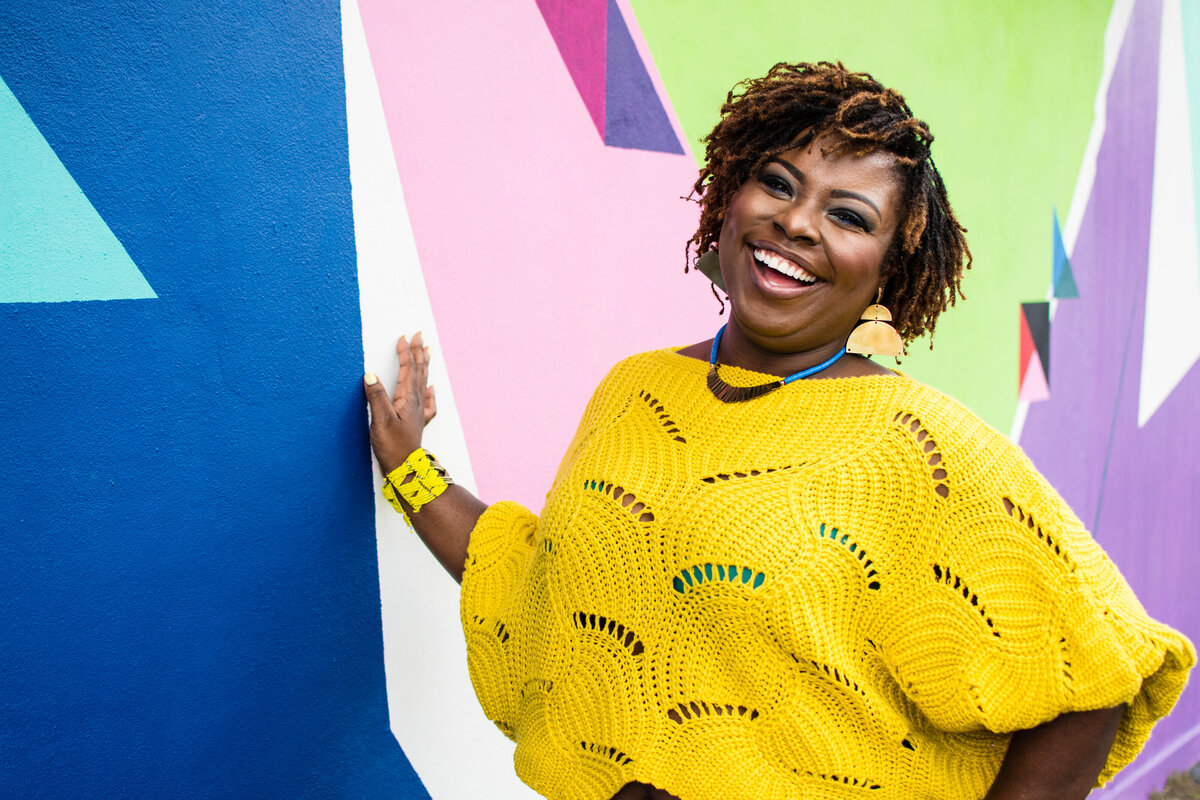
(211, 216)
(190, 600)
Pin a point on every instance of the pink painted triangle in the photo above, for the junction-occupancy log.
(580, 29)
(1034, 386)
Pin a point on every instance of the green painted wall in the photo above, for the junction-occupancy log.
(1007, 89)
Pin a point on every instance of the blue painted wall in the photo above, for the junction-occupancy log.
(189, 596)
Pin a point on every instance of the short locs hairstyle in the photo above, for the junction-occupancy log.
(794, 105)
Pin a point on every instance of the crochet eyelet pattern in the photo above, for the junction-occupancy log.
(845, 588)
(929, 448)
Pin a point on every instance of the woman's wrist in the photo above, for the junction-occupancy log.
(415, 483)
(394, 457)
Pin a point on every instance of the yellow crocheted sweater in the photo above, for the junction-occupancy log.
(846, 588)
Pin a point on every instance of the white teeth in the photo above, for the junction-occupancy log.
(781, 264)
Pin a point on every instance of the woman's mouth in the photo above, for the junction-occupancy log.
(781, 272)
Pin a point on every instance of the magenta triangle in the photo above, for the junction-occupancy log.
(579, 28)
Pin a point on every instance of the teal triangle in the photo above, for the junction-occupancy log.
(54, 247)
(1064, 284)
(1062, 279)
(1060, 251)
(1190, 11)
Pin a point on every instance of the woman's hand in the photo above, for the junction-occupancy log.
(444, 524)
(397, 424)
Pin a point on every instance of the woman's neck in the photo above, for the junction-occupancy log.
(738, 350)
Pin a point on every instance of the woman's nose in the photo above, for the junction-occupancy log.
(799, 221)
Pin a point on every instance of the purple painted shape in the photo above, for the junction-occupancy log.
(1068, 436)
(1136, 488)
(579, 28)
(634, 116)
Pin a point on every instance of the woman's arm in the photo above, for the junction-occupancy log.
(397, 425)
(1058, 760)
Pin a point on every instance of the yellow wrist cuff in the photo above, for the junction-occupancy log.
(418, 481)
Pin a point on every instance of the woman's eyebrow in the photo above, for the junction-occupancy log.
(856, 196)
(799, 176)
(790, 167)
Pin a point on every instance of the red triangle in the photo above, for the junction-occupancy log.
(1026, 348)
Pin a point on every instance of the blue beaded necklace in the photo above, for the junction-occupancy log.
(727, 393)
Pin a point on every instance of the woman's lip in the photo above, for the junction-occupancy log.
(761, 276)
(783, 253)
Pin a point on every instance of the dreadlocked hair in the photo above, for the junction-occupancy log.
(794, 105)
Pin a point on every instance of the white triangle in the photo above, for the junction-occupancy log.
(431, 705)
(1171, 343)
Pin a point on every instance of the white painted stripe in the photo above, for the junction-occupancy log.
(431, 705)
(1171, 336)
(1114, 36)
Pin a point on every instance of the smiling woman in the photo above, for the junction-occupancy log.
(844, 125)
(802, 249)
(806, 575)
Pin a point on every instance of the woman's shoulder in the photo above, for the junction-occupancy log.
(981, 459)
(665, 359)
(635, 371)
(922, 407)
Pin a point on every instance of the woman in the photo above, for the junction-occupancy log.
(769, 568)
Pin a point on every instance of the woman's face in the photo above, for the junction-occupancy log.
(802, 246)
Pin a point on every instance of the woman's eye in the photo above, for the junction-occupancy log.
(776, 184)
(850, 218)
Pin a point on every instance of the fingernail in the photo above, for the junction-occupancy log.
(428, 350)
(371, 379)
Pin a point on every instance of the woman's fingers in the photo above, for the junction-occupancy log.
(422, 355)
(396, 422)
(420, 358)
(404, 361)
(413, 399)
(377, 399)
(412, 389)
(430, 404)
(410, 385)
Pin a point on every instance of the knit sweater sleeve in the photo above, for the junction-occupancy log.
(499, 553)
(502, 557)
(1021, 616)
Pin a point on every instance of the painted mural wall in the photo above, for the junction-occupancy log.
(213, 215)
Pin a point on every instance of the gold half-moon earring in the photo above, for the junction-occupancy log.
(875, 337)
